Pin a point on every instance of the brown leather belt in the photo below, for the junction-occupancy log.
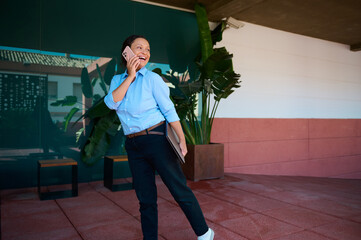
(147, 131)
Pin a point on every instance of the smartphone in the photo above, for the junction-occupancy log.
(128, 53)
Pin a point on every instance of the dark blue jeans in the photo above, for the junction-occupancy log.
(150, 153)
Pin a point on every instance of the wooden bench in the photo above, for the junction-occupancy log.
(58, 163)
(109, 173)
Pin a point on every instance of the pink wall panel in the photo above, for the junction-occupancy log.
(326, 167)
(332, 147)
(303, 147)
(357, 145)
(266, 129)
(220, 130)
(358, 128)
(248, 153)
(325, 128)
(226, 154)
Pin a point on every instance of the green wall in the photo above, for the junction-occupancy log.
(95, 28)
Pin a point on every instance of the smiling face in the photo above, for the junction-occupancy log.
(141, 48)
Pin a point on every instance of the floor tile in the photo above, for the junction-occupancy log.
(221, 232)
(261, 204)
(58, 234)
(355, 218)
(173, 220)
(340, 230)
(257, 226)
(85, 216)
(237, 207)
(203, 198)
(126, 200)
(50, 221)
(293, 197)
(217, 211)
(180, 234)
(252, 187)
(159, 238)
(304, 235)
(331, 208)
(231, 195)
(19, 194)
(89, 199)
(128, 228)
(27, 207)
(300, 217)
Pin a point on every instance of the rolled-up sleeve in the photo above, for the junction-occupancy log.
(161, 95)
(109, 100)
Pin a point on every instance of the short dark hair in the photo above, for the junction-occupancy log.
(128, 42)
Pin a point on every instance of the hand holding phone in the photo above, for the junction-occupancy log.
(128, 53)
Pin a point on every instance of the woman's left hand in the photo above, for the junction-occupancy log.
(183, 148)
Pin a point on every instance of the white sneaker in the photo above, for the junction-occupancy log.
(209, 235)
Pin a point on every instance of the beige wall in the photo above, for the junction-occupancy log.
(286, 75)
(298, 111)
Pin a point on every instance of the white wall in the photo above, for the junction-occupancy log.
(285, 75)
(65, 88)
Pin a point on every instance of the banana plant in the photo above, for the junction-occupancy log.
(211, 74)
(87, 89)
(104, 123)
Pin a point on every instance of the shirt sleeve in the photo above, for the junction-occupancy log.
(109, 100)
(161, 95)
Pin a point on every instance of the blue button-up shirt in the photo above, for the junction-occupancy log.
(145, 104)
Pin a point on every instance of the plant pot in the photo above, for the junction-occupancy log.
(204, 162)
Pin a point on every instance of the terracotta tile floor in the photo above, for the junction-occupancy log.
(236, 207)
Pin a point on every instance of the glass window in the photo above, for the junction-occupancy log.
(77, 91)
(52, 90)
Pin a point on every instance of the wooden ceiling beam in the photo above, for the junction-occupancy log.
(226, 8)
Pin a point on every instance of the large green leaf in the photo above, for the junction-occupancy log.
(99, 109)
(67, 101)
(102, 83)
(96, 98)
(79, 133)
(225, 85)
(217, 32)
(94, 81)
(99, 139)
(219, 61)
(109, 71)
(194, 72)
(86, 86)
(69, 116)
(204, 32)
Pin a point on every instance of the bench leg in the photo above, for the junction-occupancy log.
(39, 183)
(74, 180)
(108, 173)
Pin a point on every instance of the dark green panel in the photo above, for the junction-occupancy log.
(173, 35)
(85, 27)
(20, 23)
(97, 28)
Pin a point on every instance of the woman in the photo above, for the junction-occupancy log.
(141, 100)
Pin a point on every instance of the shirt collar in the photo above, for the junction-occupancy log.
(142, 71)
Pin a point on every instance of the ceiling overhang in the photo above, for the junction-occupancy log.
(331, 20)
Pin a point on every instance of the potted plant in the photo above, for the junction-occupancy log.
(211, 75)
